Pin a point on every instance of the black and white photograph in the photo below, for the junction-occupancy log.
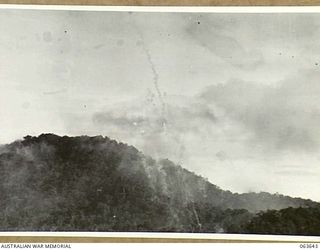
(160, 121)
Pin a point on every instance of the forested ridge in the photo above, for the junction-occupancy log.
(87, 183)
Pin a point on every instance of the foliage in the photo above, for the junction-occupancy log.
(86, 183)
(289, 221)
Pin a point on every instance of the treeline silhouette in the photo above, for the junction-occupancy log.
(53, 183)
(289, 221)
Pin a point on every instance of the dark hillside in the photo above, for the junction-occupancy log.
(97, 184)
(289, 221)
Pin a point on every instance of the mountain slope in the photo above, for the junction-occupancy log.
(96, 184)
(289, 221)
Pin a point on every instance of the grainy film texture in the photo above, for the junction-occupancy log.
(159, 122)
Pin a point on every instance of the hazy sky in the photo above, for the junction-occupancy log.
(232, 97)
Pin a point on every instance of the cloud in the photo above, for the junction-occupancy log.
(282, 117)
(179, 116)
(209, 35)
(295, 173)
(143, 124)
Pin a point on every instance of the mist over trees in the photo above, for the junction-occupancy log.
(53, 183)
